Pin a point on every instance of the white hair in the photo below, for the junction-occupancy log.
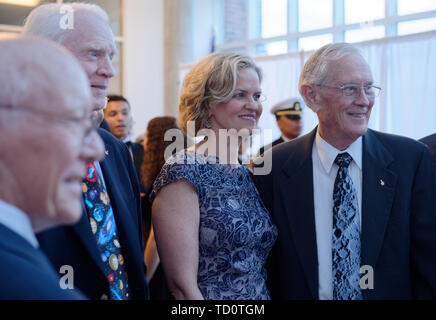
(315, 70)
(45, 20)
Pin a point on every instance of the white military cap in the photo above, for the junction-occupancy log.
(291, 106)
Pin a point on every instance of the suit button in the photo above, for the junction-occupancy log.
(104, 297)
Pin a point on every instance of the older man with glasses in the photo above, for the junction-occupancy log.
(46, 141)
(355, 208)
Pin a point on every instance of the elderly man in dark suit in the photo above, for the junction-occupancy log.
(355, 208)
(46, 140)
(105, 248)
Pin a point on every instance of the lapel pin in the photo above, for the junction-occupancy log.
(106, 152)
(382, 183)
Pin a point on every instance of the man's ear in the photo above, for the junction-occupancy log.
(311, 97)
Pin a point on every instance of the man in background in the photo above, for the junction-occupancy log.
(46, 141)
(288, 116)
(119, 118)
(105, 248)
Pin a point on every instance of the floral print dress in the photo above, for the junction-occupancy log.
(236, 231)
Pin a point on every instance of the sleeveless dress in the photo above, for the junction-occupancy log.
(236, 231)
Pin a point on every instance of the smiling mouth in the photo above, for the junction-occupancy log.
(99, 87)
(358, 115)
(248, 117)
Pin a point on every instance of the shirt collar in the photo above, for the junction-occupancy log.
(327, 153)
(18, 221)
(285, 139)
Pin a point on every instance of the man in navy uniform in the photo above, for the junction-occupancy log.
(288, 116)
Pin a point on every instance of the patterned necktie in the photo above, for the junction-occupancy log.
(103, 227)
(346, 235)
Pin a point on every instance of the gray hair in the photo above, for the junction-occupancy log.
(315, 70)
(45, 20)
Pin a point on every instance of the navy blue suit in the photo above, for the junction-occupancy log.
(76, 245)
(430, 141)
(26, 273)
(274, 143)
(398, 235)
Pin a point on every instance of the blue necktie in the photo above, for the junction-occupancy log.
(346, 235)
(101, 219)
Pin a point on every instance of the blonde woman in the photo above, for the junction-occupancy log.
(212, 230)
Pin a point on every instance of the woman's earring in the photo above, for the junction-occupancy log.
(207, 124)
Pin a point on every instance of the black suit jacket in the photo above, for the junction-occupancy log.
(138, 156)
(430, 141)
(274, 143)
(25, 272)
(76, 245)
(398, 235)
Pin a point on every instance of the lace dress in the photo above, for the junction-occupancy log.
(236, 231)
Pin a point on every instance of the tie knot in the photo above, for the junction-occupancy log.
(128, 144)
(343, 159)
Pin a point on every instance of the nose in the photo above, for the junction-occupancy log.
(363, 98)
(92, 148)
(252, 104)
(105, 68)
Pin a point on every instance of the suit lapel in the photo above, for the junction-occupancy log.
(378, 188)
(297, 194)
(83, 231)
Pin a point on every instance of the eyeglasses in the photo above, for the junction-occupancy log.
(244, 96)
(353, 90)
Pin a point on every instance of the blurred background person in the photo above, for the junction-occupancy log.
(154, 159)
(118, 116)
(288, 116)
(46, 140)
(212, 230)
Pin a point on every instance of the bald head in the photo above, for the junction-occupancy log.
(36, 73)
(46, 136)
(84, 30)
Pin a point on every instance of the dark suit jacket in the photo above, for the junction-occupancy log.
(26, 273)
(138, 157)
(398, 232)
(430, 141)
(274, 143)
(76, 245)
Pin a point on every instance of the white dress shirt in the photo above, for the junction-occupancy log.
(324, 175)
(16, 220)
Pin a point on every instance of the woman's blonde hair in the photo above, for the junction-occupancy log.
(209, 82)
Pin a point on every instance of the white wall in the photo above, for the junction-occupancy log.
(143, 60)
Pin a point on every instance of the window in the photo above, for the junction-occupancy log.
(274, 18)
(280, 26)
(315, 14)
(13, 13)
(410, 6)
(359, 11)
(416, 26)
